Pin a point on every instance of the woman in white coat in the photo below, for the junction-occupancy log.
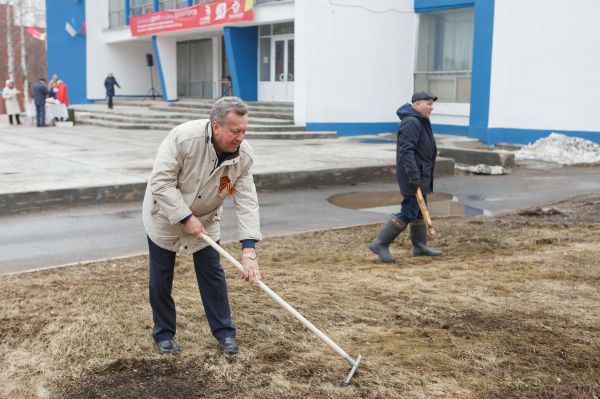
(9, 94)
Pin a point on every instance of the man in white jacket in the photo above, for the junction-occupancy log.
(198, 165)
(9, 94)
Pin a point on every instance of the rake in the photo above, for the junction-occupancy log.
(353, 362)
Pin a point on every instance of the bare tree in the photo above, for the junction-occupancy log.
(23, 53)
(9, 42)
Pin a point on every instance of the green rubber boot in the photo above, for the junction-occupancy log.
(380, 245)
(418, 236)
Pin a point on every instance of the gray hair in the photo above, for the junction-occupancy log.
(224, 106)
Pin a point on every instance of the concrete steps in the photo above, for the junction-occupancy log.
(203, 112)
(266, 119)
(166, 118)
(254, 132)
(167, 125)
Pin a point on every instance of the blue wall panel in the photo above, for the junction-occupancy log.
(482, 67)
(241, 47)
(66, 54)
(161, 78)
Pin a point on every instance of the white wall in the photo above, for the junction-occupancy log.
(274, 12)
(450, 114)
(546, 65)
(126, 59)
(354, 59)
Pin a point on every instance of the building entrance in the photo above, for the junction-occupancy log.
(276, 63)
(195, 69)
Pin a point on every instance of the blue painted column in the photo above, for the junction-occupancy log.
(241, 48)
(127, 11)
(161, 78)
(482, 70)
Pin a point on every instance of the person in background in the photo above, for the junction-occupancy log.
(9, 94)
(416, 152)
(109, 83)
(40, 92)
(52, 86)
(61, 94)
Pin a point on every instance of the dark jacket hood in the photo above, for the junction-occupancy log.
(408, 110)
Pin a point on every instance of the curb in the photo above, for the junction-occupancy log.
(37, 200)
(473, 156)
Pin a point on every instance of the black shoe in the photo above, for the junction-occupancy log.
(228, 345)
(168, 346)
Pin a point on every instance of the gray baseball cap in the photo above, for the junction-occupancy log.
(423, 95)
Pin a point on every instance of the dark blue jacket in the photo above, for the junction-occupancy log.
(110, 83)
(416, 150)
(40, 92)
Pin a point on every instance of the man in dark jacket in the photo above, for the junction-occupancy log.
(40, 92)
(109, 83)
(416, 152)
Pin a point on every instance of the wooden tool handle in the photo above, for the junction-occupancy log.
(425, 212)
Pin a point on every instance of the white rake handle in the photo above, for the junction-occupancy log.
(283, 303)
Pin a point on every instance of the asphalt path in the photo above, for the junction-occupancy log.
(58, 237)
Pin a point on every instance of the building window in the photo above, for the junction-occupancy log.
(283, 28)
(201, 1)
(172, 4)
(267, 34)
(265, 59)
(116, 13)
(141, 7)
(445, 54)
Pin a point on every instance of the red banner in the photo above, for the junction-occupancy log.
(197, 16)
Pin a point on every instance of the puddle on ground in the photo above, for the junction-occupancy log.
(475, 198)
(439, 204)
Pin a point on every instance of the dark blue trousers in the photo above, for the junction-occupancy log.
(40, 115)
(211, 283)
(409, 209)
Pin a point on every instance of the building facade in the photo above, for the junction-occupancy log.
(505, 70)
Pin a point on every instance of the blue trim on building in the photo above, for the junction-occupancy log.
(190, 3)
(66, 54)
(161, 77)
(482, 67)
(524, 136)
(241, 48)
(438, 5)
(353, 129)
(450, 129)
(156, 5)
(492, 136)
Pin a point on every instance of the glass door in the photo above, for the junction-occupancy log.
(277, 69)
(195, 69)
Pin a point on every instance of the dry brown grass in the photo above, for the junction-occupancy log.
(512, 311)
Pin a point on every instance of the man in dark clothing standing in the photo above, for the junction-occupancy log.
(416, 152)
(40, 92)
(109, 83)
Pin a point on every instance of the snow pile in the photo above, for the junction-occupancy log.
(561, 149)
